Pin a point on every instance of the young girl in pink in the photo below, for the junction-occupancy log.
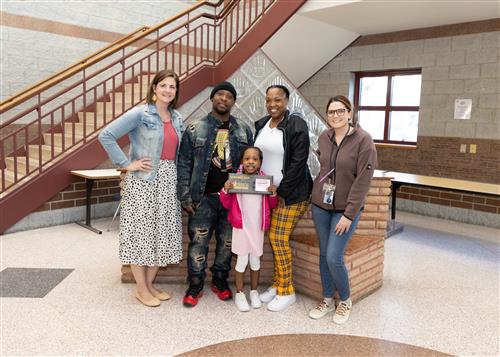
(250, 216)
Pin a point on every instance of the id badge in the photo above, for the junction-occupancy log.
(328, 193)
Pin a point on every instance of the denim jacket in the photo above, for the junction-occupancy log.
(195, 154)
(145, 130)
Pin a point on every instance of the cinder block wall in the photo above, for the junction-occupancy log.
(42, 38)
(459, 61)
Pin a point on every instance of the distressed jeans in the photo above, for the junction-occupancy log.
(334, 275)
(209, 217)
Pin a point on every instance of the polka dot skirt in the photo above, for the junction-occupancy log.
(150, 219)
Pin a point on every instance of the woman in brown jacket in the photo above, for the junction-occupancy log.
(347, 158)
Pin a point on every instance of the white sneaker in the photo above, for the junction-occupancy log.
(321, 310)
(281, 302)
(255, 299)
(342, 312)
(268, 295)
(241, 302)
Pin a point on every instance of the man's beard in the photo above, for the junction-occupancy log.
(221, 112)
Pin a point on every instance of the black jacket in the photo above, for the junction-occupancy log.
(296, 185)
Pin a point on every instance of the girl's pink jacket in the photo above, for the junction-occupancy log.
(230, 202)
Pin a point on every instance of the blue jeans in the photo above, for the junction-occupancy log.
(209, 217)
(332, 268)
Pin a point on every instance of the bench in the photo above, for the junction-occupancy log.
(400, 178)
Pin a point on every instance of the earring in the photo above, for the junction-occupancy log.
(153, 98)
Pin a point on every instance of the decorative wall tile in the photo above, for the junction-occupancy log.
(255, 106)
(188, 108)
(276, 78)
(258, 67)
(196, 115)
(313, 163)
(240, 114)
(251, 81)
(243, 84)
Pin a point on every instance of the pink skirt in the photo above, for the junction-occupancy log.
(249, 239)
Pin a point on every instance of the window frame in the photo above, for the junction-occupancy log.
(387, 108)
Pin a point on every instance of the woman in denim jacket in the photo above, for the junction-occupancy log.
(150, 219)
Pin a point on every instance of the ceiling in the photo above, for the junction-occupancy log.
(366, 17)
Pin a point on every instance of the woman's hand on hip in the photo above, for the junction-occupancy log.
(343, 225)
(143, 164)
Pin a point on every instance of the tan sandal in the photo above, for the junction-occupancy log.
(162, 295)
(154, 302)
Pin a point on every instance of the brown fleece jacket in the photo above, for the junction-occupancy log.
(354, 166)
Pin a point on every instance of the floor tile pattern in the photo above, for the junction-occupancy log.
(312, 345)
(30, 282)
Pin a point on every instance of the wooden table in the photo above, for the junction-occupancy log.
(400, 178)
(90, 176)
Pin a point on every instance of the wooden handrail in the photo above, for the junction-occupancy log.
(24, 95)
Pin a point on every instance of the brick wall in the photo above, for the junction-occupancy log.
(364, 259)
(441, 157)
(449, 198)
(75, 195)
(364, 255)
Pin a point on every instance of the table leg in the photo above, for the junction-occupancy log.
(393, 227)
(89, 184)
(395, 186)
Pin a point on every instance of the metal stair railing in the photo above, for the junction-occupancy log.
(68, 109)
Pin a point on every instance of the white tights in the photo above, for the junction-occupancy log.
(242, 262)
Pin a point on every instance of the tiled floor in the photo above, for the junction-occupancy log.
(441, 291)
(30, 282)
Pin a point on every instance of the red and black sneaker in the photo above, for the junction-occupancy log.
(193, 295)
(221, 289)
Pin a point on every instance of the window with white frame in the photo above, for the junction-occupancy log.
(388, 103)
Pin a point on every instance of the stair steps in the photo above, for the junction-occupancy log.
(9, 177)
(69, 139)
(109, 108)
(137, 91)
(46, 152)
(68, 128)
(120, 97)
(92, 117)
(21, 164)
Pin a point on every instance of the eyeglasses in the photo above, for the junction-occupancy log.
(339, 112)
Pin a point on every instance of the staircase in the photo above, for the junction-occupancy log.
(69, 134)
(53, 126)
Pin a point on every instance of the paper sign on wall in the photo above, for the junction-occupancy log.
(463, 108)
